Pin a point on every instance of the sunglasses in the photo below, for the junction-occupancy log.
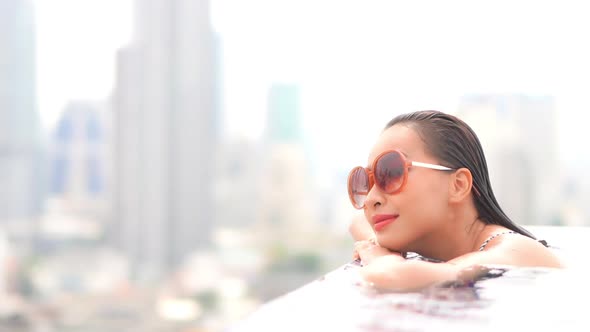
(389, 173)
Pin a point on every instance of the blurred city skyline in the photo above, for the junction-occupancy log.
(386, 63)
(351, 78)
(197, 151)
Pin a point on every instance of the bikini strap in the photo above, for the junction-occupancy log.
(485, 243)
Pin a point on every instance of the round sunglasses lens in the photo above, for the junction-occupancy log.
(358, 186)
(389, 172)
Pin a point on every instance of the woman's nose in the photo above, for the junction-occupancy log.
(374, 197)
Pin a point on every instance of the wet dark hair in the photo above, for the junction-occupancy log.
(456, 145)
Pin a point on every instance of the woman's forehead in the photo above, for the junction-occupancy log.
(399, 137)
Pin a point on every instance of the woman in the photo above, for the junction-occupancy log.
(427, 190)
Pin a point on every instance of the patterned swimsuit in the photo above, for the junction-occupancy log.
(415, 256)
(485, 243)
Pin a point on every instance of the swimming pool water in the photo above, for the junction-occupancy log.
(505, 299)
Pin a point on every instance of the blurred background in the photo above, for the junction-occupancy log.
(170, 165)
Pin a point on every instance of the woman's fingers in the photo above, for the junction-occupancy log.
(365, 250)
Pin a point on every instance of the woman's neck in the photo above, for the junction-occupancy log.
(461, 232)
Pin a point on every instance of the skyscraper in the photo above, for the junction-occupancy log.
(284, 116)
(165, 136)
(21, 188)
(286, 206)
(518, 134)
(79, 157)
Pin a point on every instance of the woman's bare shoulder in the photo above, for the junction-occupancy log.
(512, 249)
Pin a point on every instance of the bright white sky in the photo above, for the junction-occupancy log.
(359, 62)
(76, 44)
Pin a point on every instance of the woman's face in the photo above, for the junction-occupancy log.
(407, 220)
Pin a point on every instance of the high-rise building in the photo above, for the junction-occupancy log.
(518, 134)
(78, 172)
(21, 189)
(284, 115)
(165, 119)
(79, 153)
(286, 209)
(237, 185)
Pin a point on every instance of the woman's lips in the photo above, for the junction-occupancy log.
(380, 221)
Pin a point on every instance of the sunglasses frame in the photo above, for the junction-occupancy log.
(370, 173)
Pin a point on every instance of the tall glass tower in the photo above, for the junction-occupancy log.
(165, 120)
(21, 188)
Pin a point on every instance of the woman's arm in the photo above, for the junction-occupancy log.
(389, 270)
(512, 250)
(360, 229)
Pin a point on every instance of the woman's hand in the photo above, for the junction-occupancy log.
(360, 229)
(369, 250)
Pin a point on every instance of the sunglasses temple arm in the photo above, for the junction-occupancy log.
(431, 166)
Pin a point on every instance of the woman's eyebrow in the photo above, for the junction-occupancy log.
(402, 152)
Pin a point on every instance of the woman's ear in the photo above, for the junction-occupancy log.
(460, 185)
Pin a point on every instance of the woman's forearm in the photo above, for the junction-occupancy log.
(360, 229)
(389, 272)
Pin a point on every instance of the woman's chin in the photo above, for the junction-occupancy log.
(391, 246)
